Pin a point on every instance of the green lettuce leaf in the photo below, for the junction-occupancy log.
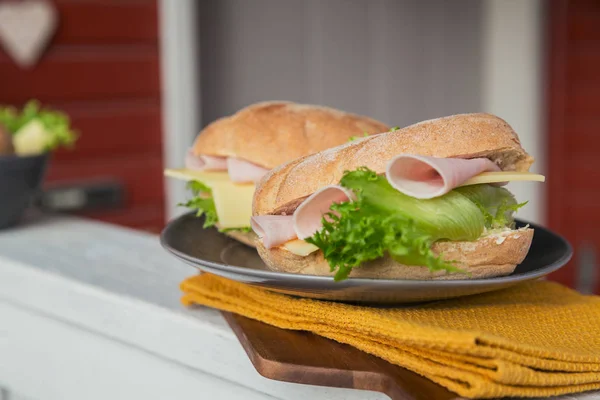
(384, 221)
(452, 216)
(245, 229)
(57, 124)
(198, 188)
(202, 202)
(497, 204)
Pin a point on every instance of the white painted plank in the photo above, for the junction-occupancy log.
(19, 396)
(53, 361)
(124, 261)
(9, 395)
(87, 278)
(121, 284)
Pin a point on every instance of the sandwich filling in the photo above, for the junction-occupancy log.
(417, 202)
(222, 189)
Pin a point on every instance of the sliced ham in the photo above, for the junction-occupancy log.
(273, 230)
(428, 177)
(205, 163)
(241, 171)
(308, 216)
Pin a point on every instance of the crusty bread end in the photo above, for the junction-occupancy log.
(490, 256)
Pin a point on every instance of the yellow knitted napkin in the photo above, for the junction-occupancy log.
(536, 339)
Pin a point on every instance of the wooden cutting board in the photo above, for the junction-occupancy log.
(303, 357)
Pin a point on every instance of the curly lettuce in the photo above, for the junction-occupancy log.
(497, 205)
(384, 221)
(203, 203)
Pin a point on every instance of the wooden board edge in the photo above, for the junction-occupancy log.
(364, 380)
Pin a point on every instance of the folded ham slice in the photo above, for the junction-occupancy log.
(273, 230)
(308, 216)
(241, 171)
(205, 163)
(428, 177)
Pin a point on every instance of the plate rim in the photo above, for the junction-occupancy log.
(287, 276)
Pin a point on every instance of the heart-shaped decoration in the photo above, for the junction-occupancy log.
(26, 27)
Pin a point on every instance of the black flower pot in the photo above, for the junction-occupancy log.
(20, 180)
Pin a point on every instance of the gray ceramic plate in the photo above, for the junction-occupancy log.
(210, 251)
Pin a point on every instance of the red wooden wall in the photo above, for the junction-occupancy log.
(574, 128)
(102, 67)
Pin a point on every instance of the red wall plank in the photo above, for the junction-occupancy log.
(557, 85)
(84, 74)
(585, 212)
(582, 101)
(584, 65)
(584, 139)
(574, 117)
(583, 26)
(114, 129)
(582, 174)
(583, 6)
(106, 22)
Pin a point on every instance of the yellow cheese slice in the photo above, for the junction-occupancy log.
(300, 247)
(206, 177)
(233, 202)
(504, 176)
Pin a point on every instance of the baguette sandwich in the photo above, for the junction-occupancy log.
(233, 153)
(424, 202)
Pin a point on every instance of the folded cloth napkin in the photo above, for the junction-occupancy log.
(536, 339)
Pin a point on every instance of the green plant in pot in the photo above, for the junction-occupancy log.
(27, 138)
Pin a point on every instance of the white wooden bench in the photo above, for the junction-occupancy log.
(91, 311)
